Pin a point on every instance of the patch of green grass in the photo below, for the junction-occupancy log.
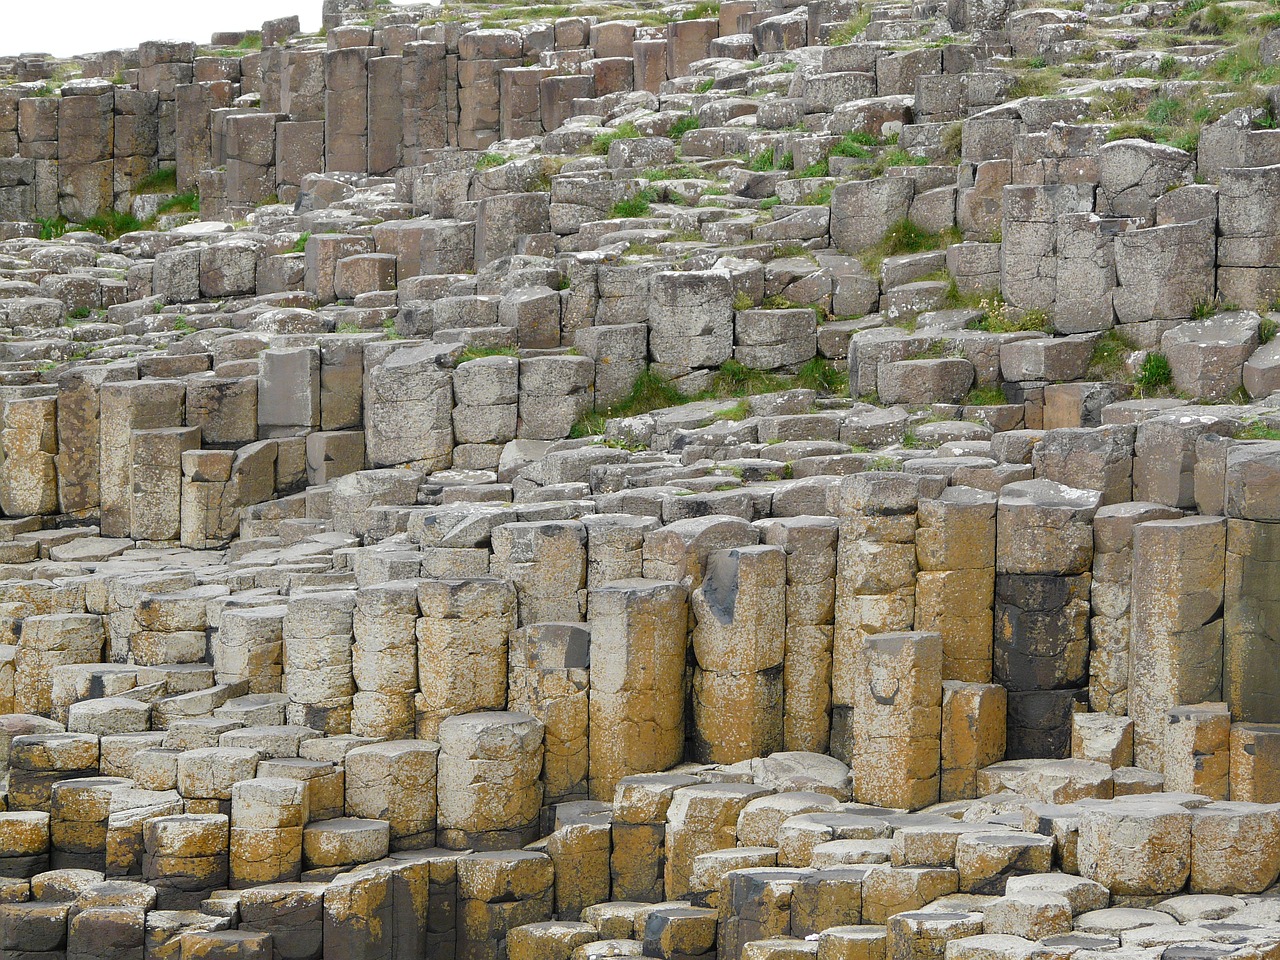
(489, 161)
(637, 206)
(988, 396)
(704, 86)
(897, 157)
(1258, 430)
(347, 327)
(854, 145)
(733, 379)
(768, 203)
(953, 141)
(1036, 82)
(683, 171)
(1154, 375)
(624, 131)
(1109, 355)
(846, 32)
(742, 301)
(51, 228)
(682, 126)
(300, 245)
(112, 224)
(702, 10)
(649, 392)
(182, 203)
(79, 313)
(164, 180)
(475, 353)
(1166, 110)
(823, 376)
(998, 318)
(818, 169)
(766, 161)
(390, 331)
(904, 236)
(1267, 330)
(818, 198)
(183, 325)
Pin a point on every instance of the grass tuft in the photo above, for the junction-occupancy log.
(1154, 375)
(159, 181)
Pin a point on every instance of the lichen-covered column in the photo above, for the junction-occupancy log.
(1044, 556)
(875, 580)
(955, 550)
(463, 631)
(898, 715)
(810, 546)
(549, 679)
(1110, 601)
(317, 660)
(639, 643)
(384, 660)
(739, 639)
(1176, 659)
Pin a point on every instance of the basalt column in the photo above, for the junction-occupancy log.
(739, 640)
(1176, 650)
(1044, 555)
(875, 580)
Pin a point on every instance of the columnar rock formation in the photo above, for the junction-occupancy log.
(752, 480)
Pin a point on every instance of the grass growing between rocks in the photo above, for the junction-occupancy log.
(624, 131)
(823, 376)
(182, 203)
(1110, 354)
(51, 228)
(988, 396)
(650, 392)
(477, 353)
(489, 161)
(112, 224)
(160, 181)
(1258, 430)
(997, 317)
(848, 31)
(682, 126)
(1154, 376)
(637, 206)
(732, 381)
(905, 236)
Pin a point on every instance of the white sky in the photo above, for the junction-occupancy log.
(68, 27)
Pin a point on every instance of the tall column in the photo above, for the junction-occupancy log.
(898, 712)
(739, 640)
(1176, 649)
(639, 643)
(1044, 555)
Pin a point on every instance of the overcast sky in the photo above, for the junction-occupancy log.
(68, 27)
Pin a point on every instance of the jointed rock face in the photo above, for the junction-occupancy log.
(751, 481)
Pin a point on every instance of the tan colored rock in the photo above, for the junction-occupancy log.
(462, 648)
(1137, 846)
(396, 782)
(897, 713)
(1178, 570)
(638, 643)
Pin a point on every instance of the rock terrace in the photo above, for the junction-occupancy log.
(744, 481)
